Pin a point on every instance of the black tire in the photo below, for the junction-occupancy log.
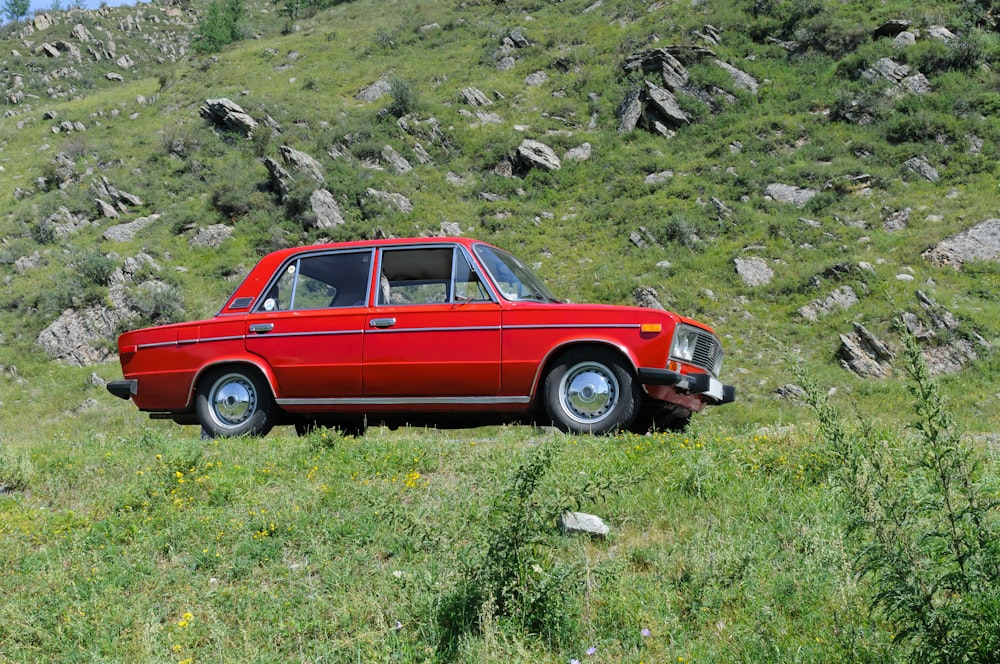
(235, 402)
(591, 390)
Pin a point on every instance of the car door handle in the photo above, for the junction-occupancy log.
(382, 322)
(260, 328)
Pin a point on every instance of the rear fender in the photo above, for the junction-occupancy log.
(262, 368)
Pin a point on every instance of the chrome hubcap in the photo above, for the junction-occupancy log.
(233, 400)
(589, 391)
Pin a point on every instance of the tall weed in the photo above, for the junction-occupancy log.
(924, 521)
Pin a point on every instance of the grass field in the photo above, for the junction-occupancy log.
(159, 546)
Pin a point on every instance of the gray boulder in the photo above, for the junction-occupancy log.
(754, 271)
(842, 298)
(785, 193)
(663, 104)
(326, 209)
(300, 161)
(741, 79)
(126, 232)
(375, 91)
(395, 160)
(398, 201)
(865, 354)
(981, 242)
(228, 115)
(920, 166)
(475, 97)
(211, 236)
(535, 154)
(582, 523)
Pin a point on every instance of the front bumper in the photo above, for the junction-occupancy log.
(123, 389)
(693, 383)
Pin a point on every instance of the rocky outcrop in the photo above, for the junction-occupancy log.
(375, 91)
(300, 161)
(754, 271)
(981, 242)
(786, 193)
(646, 296)
(654, 106)
(326, 210)
(229, 115)
(126, 232)
(397, 201)
(211, 236)
(535, 154)
(921, 167)
(865, 354)
(842, 298)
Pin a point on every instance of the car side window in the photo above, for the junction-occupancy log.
(321, 281)
(468, 287)
(426, 276)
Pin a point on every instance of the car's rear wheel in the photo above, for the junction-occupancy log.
(591, 390)
(235, 402)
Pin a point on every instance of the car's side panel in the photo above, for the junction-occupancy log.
(533, 333)
(314, 354)
(167, 359)
(433, 350)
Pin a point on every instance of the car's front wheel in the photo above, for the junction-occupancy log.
(591, 390)
(235, 402)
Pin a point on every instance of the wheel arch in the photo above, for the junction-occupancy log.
(556, 354)
(233, 363)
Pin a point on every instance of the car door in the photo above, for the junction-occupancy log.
(309, 326)
(434, 332)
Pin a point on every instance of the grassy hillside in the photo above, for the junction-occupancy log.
(146, 137)
(728, 543)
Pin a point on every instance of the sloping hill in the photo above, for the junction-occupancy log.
(776, 169)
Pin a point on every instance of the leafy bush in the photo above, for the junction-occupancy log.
(94, 267)
(225, 22)
(925, 524)
(516, 573)
(404, 98)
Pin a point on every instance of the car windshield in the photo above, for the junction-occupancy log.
(514, 279)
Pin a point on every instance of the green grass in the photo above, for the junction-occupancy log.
(158, 546)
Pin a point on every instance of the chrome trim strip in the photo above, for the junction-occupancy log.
(581, 326)
(313, 333)
(183, 342)
(470, 328)
(400, 401)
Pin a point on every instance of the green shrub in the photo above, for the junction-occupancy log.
(924, 522)
(516, 573)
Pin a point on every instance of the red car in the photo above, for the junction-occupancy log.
(418, 331)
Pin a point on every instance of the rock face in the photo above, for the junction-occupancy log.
(326, 209)
(864, 354)
(754, 271)
(70, 338)
(229, 115)
(786, 193)
(300, 161)
(534, 154)
(920, 166)
(126, 232)
(646, 296)
(981, 242)
(842, 298)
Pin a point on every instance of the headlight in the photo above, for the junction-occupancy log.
(685, 340)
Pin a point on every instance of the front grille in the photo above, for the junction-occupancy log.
(708, 353)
